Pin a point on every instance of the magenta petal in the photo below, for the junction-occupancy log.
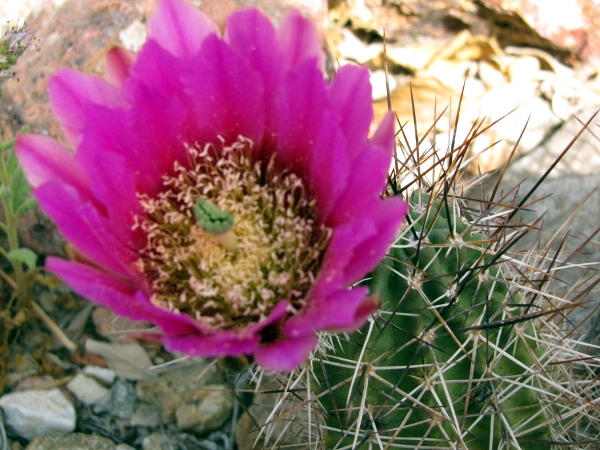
(371, 167)
(368, 306)
(252, 35)
(300, 109)
(329, 168)
(342, 255)
(155, 143)
(224, 91)
(350, 95)
(384, 136)
(299, 41)
(148, 143)
(211, 346)
(179, 27)
(113, 175)
(82, 225)
(277, 314)
(387, 216)
(44, 159)
(286, 353)
(70, 92)
(155, 67)
(337, 311)
(118, 294)
(118, 64)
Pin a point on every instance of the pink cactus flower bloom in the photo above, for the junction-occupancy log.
(220, 187)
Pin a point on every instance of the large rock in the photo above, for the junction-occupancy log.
(30, 414)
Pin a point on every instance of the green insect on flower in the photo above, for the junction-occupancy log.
(212, 219)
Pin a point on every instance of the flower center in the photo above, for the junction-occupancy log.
(228, 238)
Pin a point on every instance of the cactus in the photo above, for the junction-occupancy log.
(449, 360)
(471, 348)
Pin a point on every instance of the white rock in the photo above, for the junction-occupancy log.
(378, 84)
(146, 416)
(490, 74)
(134, 36)
(453, 74)
(87, 389)
(524, 68)
(502, 99)
(129, 361)
(359, 10)
(527, 105)
(34, 413)
(356, 50)
(100, 373)
(412, 57)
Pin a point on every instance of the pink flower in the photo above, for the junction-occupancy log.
(221, 188)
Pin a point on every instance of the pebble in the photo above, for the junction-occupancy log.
(207, 411)
(128, 360)
(37, 382)
(87, 390)
(157, 441)
(524, 68)
(175, 386)
(145, 416)
(170, 439)
(123, 399)
(412, 57)
(72, 441)
(100, 373)
(452, 74)
(122, 402)
(34, 413)
(490, 74)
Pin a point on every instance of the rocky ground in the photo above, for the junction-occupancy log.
(98, 387)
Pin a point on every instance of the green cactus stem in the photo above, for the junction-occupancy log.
(443, 365)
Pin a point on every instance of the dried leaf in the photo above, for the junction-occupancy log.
(129, 360)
